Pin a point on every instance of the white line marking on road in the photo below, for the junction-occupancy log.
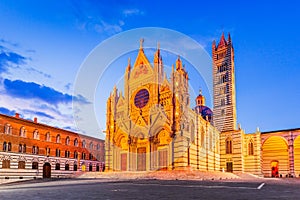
(260, 186)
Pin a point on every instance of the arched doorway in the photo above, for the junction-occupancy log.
(141, 159)
(75, 167)
(274, 169)
(275, 148)
(47, 170)
(297, 156)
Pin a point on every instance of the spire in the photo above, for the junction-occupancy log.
(200, 100)
(222, 41)
(178, 63)
(141, 43)
(128, 65)
(229, 38)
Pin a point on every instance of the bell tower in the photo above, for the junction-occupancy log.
(224, 85)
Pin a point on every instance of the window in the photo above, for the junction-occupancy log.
(67, 167)
(35, 150)
(9, 146)
(91, 156)
(202, 137)
(90, 167)
(75, 167)
(57, 166)
(83, 156)
(68, 140)
(4, 146)
(192, 132)
(6, 164)
(21, 165)
(97, 168)
(83, 144)
(76, 142)
(91, 145)
(48, 150)
(57, 153)
(58, 138)
(67, 154)
(222, 112)
(36, 134)
(222, 102)
(22, 131)
(98, 147)
(8, 129)
(75, 154)
(250, 149)
(35, 165)
(228, 146)
(22, 148)
(47, 137)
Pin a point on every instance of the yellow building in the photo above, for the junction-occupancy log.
(152, 126)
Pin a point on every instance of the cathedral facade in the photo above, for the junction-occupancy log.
(151, 126)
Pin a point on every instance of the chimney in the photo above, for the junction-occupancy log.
(35, 120)
(17, 115)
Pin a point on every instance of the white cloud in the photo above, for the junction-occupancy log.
(130, 12)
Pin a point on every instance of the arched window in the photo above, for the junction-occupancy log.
(36, 134)
(90, 167)
(222, 102)
(20, 148)
(91, 145)
(8, 129)
(57, 166)
(47, 137)
(91, 156)
(76, 142)
(35, 150)
(58, 138)
(24, 148)
(83, 144)
(67, 167)
(22, 131)
(67, 154)
(228, 146)
(9, 146)
(21, 165)
(192, 132)
(6, 164)
(48, 150)
(83, 156)
(4, 146)
(57, 153)
(35, 165)
(98, 147)
(75, 154)
(250, 149)
(67, 140)
(202, 137)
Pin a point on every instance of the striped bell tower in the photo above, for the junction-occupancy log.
(224, 85)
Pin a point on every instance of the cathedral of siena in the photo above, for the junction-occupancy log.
(151, 125)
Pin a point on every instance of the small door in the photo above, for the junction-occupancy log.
(163, 159)
(141, 159)
(274, 169)
(229, 167)
(123, 161)
(47, 170)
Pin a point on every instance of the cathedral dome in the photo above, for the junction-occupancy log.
(201, 109)
(205, 112)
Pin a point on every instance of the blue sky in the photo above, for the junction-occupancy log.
(44, 43)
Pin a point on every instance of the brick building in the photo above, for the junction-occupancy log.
(32, 149)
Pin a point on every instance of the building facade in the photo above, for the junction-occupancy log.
(152, 127)
(30, 149)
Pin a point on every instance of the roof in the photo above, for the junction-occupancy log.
(48, 126)
(281, 130)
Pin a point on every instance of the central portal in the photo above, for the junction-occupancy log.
(141, 159)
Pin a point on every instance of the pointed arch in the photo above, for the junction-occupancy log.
(228, 145)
